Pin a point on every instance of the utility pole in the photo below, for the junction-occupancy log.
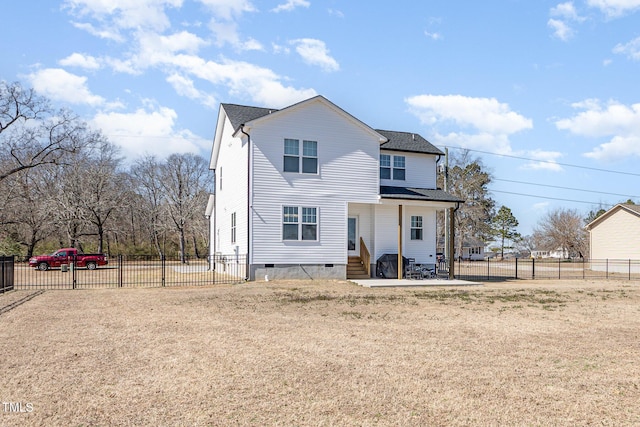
(447, 243)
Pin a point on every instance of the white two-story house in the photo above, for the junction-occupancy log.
(309, 191)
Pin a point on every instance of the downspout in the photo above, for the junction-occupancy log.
(248, 200)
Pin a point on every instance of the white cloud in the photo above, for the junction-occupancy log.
(560, 29)
(243, 79)
(185, 87)
(631, 49)
(229, 9)
(82, 61)
(548, 160)
(615, 8)
(490, 121)
(60, 85)
(105, 33)
(566, 11)
(290, 5)
(620, 123)
(315, 52)
(433, 36)
(336, 12)
(148, 132)
(227, 33)
(124, 14)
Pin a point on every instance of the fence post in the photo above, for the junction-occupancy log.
(120, 271)
(488, 271)
(559, 267)
(533, 268)
(516, 267)
(629, 269)
(73, 272)
(3, 261)
(607, 268)
(164, 264)
(582, 268)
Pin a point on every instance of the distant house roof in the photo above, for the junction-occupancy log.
(633, 209)
(396, 141)
(437, 195)
(407, 141)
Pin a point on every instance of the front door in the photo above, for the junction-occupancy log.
(353, 242)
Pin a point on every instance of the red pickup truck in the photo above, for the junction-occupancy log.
(68, 256)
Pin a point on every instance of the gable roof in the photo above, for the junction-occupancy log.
(425, 194)
(632, 209)
(407, 141)
(395, 141)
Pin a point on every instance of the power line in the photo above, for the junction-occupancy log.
(548, 161)
(552, 198)
(567, 188)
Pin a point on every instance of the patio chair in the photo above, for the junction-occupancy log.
(412, 271)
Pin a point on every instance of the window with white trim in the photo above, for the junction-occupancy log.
(399, 168)
(416, 227)
(233, 227)
(294, 162)
(385, 166)
(395, 170)
(299, 223)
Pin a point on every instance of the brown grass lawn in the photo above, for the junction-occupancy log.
(324, 353)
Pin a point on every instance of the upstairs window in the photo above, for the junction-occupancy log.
(291, 155)
(398, 168)
(293, 162)
(416, 227)
(396, 171)
(385, 166)
(309, 156)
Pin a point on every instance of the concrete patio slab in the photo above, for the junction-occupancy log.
(382, 283)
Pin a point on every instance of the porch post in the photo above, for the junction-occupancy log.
(400, 265)
(452, 245)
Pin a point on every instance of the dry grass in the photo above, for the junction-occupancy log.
(332, 353)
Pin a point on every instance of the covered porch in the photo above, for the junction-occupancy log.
(402, 223)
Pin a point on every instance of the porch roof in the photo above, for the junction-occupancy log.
(407, 193)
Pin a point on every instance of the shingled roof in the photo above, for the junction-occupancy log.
(241, 114)
(407, 141)
(434, 195)
(396, 141)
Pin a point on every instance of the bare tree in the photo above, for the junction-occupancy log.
(147, 182)
(31, 133)
(185, 179)
(562, 229)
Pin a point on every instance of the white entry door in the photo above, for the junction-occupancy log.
(353, 241)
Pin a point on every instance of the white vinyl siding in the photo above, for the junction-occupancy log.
(347, 157)
(232, 196)
(419, 170)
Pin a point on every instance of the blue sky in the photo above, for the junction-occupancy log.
(546, 92)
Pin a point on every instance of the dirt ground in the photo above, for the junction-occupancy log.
(323, 353)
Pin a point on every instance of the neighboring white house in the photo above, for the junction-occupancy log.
(308, 190)
(615, 235)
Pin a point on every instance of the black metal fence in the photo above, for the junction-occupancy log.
(6, 273)
(528, 268)
(136, 271)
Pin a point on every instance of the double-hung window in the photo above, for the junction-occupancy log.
(299, 223)
(385, 166)
(416, 227)
(293, 162)
(399, 168)
(395, 170)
